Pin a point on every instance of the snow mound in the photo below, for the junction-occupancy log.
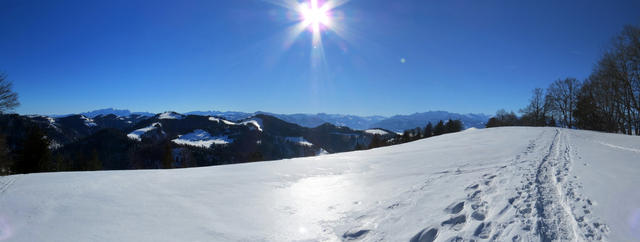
(299, 141)
(170, 115)
(376, 131)
(201, 138)
(137, 134)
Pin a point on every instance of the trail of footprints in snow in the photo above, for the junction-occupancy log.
(533, 197)
(458, 218)
(479, 209)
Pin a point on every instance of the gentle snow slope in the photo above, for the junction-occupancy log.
(526, 184)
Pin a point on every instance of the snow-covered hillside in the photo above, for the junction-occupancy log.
(505, 184)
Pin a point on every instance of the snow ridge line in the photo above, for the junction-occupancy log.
(553, 218)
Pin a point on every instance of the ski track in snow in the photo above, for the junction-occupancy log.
(5, 183)
(619, 147)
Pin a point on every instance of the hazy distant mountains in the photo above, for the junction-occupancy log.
(397, 123)
(117, 112)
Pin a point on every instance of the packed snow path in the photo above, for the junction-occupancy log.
(502, 184)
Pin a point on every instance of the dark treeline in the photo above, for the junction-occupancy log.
(417, 133)
(608, 100)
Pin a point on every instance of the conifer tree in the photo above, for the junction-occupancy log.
(34, 155)
(406, 136)
(439, 129)
(94, 164)
(428, 130)
(376, 142)
(167, 156)
(5, 156)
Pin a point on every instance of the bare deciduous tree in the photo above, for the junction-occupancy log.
(563, 96)
(8, 98)
(535, 113)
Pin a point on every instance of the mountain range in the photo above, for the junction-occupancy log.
(138, 141)
(397, 123)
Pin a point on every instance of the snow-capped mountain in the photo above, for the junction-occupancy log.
(498, 184)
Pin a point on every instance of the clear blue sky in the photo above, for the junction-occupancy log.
(460, 56)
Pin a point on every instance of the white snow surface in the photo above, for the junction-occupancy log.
(376, 131)
(214, 119)
(201, 138)
(256, 122)
(322, 152)
(136, 134)
(170, 115)
(299, 141)
(530, 184)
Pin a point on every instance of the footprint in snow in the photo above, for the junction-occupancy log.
(456, 223)
(425, 235)
(353, 235)
(455, 208)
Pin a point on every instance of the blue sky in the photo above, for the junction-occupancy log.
(460, 56)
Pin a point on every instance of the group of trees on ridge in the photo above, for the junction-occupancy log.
(608, 100)
(417, 133)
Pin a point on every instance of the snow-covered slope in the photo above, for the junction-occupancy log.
(376, 131)
(201, 138)
(136, 134)
(506, 184)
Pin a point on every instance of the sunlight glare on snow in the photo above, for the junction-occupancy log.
(5, 230)
(634, 223)
(311, 195)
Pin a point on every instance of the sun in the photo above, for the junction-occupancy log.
(317, 17)
(314, 16)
